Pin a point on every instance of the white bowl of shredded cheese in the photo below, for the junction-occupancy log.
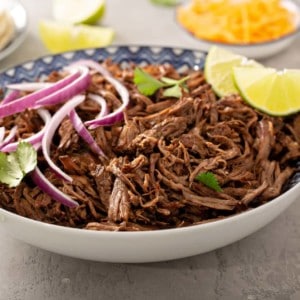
(255, 34)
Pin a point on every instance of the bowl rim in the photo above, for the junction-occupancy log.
(292, 34)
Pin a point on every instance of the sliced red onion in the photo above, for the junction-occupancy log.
(35, 139)
(2, 133)
(47, 187)
(29, 86)
(9, 137)
(103, 104)
(108, 120)
(50, 131)
(29, 101)
(117, 115)
(13, 95)
(37, 145)
(92, 65)
(76, 87)
(84, 133)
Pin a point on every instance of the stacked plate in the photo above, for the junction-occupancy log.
(13, 26)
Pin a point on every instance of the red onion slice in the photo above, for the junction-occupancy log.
(12, 96)
(29, 86)
(9, 137)
(35, 139)
(50, 131)
(2, 134)
(101, 101)
(76, 87)
(84, 133)
(29, 101)
(117, 115)
(37, 145)
(47, 187)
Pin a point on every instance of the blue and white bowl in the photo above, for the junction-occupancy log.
(133, 247)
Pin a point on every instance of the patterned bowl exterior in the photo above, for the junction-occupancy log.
(180, 58)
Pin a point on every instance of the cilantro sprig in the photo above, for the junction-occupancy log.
(210, 180)
(148, 85)
(165, 2)
(15, 165)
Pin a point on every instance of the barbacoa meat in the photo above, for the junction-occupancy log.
(147, 179)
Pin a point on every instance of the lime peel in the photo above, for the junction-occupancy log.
(273, 92)
(60, 37)
(79, 11)
(218, 69)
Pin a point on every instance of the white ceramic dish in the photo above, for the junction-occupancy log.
(133, 247)
(19, 16)
(151, 246)
(259, 50)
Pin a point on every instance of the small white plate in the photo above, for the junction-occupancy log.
(19, 16)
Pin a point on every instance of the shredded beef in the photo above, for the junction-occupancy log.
(148, 177)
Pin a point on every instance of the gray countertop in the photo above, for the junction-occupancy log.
(265, 265)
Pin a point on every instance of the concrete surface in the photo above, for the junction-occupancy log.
(265, 265)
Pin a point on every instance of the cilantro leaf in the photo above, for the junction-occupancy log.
(171, 81)
(146, 84)
(176, 86)
(174, 91)
(209, 179)
(10, 171)
(14, 166)
(27, 157)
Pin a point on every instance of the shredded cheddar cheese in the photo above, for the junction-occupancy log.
(237, 21)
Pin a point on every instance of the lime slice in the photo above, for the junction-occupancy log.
(59, 37)
(218, 69)
(271, 91)
(79, 11)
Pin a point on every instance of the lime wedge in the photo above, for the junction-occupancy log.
(59, 37)
(271, 91)
(79, 11)
(165, 2)
(218, 69)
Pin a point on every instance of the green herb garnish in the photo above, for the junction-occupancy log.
(148, 85)
(210, 180)
(165, 2)
(15, 165)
